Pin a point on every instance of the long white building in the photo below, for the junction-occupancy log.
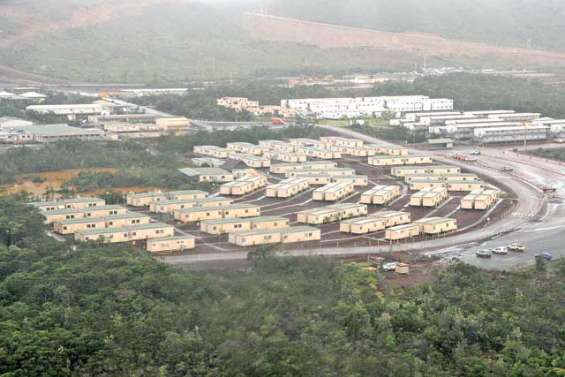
(337, 108)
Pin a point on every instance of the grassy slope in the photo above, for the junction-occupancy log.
(505, 22)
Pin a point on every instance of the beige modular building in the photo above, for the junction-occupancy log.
(331, 172)
(322, 154)
(402, 171)
(333, 192)
(211, 150)
(244, 185)
(247, 148)
(467, 177)
(198, 214)
(315, 178)
(284, 168)
(274, 236)
(290, 157)
(480, 199)
(331, 213)
(386, 160)
(242, 210)
(341, 141)
(256, 161)
(208, 174)
(402, 232)
(187, 195)
(127, 234)
(357, 180)
(144, 199)
(287, 188)
(170, 244)
(277, 145)
(436, 225)
(93, 212)
(427, 184)
(305, 142)
(429, 198)
(464, 186)
(362, 225)
(380, 195)
(169, 206)
(234, 225)
(76, 203)
(391, 151)
(224, 226)
(87, 223)
(201, 214)
(393, 218)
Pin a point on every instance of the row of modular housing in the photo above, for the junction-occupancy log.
(426, 226)
(429, 197)
(333, 191)
(145, 199)
(170, 206)
(244, 185)
(331, 213)
(374, 222)
(480, 199)
(90, 219)
(385, 160)
(274, 236)
(380, 195)
(200, 214)
(287, 188)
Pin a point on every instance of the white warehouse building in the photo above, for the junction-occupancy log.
(337, 108)
(511, 134)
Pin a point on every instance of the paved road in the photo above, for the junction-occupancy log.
(524, 181)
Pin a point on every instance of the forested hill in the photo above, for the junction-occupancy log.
(523, 23)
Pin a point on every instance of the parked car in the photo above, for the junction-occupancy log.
(476, 153)
(517, 247)
(545, 255)
(507, 169)
(390, 266)
(502, 250)
(484, 253)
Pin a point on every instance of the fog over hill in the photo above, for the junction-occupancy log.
(173, 40)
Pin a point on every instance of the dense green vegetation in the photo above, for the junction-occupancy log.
(152, 164)
(395, 134)
(114, 311)
(554, 154)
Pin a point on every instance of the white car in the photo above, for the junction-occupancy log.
(390, 266)
(502, 250)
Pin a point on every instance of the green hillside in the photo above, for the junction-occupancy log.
(522, 23)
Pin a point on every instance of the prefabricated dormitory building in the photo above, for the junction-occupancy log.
(247, 148)
(467, 177)
(357, 180)
(278, 146)
(274, 236)
(374, 222)
(200, 214)
(386, 160)
(171, 244)
(127, 234)
(208, 174)
(234, 225)
(169, 206)
(402, 232)
(436, 225)
(480, 199)
(333, 172)
(331, 213)
(287, 188)
(402, 171)
(294, 157)
(92, 212)
(380, 195)
(244, 185)
(256, 161)
(284, 168)
(76, 203)
(211, 150)
(341, 141)
(429, 198)
(115, 221)
(322, 154)
(145, 199)
(333, 191)
(464, 186)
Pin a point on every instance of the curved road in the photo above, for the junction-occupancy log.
(518, 226)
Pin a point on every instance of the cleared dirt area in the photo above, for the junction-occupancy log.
(329, 36)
